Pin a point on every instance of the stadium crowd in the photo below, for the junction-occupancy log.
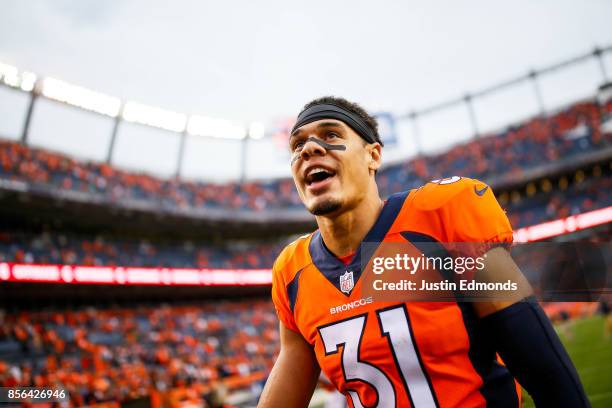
(560, 201)
(100, 355)
(563, 135)
(174, 355)
(61, 247)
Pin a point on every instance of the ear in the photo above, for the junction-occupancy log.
(375, 152)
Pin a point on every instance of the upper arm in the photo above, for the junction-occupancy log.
(500, 267)
(294, 375)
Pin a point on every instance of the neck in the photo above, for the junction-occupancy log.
(343, 233)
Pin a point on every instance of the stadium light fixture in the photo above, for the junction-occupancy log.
(153, 116)
(28, 81)
(221, 128)
(256, 130)
(81, 97)
(10, 75)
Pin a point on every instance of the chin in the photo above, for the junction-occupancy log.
(325, 207)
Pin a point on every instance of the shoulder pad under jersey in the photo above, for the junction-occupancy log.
(437, 193)
(295, 253)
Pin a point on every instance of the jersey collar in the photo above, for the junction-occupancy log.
(331, 267)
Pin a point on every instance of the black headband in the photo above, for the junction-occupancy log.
(329, 111)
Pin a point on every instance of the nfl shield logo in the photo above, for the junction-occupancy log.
(346, 282)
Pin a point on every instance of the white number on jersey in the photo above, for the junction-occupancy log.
(395, 326)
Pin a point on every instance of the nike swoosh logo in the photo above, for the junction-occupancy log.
(482, 191)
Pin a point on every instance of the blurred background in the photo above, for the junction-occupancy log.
(145, 184)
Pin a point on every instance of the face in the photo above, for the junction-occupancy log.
(331, 181)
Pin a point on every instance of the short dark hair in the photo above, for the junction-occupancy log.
(350, 106)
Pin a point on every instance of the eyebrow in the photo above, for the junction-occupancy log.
(319, 126)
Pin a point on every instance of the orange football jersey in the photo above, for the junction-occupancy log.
(411, 354)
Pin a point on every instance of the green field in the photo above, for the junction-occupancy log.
(591, 353)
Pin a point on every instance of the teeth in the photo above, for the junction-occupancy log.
(316, 170)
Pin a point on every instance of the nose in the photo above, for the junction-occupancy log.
(312, 148)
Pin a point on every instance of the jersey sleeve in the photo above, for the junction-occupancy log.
(475, 216)
(280, 297)
(461, 210)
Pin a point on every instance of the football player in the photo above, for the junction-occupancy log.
(399, 354)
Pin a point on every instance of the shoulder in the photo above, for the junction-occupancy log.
(293, 257)
(440, 193)
(458, 209)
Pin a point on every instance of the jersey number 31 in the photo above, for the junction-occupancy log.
(395, 326)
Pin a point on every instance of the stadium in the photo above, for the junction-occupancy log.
(131, 288)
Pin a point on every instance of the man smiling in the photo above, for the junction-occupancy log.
(394, 354)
